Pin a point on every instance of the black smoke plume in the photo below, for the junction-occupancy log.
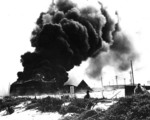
(65, 36)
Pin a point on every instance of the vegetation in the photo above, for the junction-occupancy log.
(11, 102)
(49, 104)
(76, 106)
(81, 110)
(136, 107)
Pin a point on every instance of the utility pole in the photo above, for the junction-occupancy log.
(124, 81)
(102, 81)
(132, 72)
(102, 87)
(131, 81)
(117, 80)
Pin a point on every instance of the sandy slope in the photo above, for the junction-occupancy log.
(29, 115)
(21, 114)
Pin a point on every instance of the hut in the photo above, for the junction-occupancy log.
(81, 86)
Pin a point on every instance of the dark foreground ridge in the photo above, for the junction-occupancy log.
(135, 107)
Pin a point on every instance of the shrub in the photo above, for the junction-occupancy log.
(10, 102)
(71, 109)
(136, 107)
(81, 103)
(49, 104)
(79, 106)
(76, 106)
(88, 114)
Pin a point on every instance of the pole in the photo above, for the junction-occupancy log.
(131, 78)
(102, 81)
(102, 87)
(117, 80)
(132, 72)
(124, 81)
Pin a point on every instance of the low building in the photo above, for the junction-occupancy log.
(81, 86)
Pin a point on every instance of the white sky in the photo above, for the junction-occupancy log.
(18, 18)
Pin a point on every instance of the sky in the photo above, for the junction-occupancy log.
(18, 20)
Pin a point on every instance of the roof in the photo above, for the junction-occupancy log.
(83, 85)
(80, 85)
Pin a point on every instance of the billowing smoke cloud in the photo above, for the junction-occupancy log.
(118, 54)
(66, 35)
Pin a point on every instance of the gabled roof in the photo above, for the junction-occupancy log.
(83, 85)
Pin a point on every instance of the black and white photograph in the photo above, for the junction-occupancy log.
(75, 60)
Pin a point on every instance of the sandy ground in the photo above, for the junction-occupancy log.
(21, 114)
